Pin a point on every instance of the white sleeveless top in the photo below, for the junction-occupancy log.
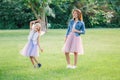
(74, 25)
(33, 36)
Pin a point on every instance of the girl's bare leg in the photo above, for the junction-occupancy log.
(67, 58)
(31, 58)
(75, 58)
(35, 60)
(38, 64)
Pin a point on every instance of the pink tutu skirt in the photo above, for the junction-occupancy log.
(30, 49)
(73, 44)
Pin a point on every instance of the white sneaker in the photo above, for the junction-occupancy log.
(69, 66)
(73, 67)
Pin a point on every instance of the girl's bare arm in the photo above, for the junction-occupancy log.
(38, 41)
(33, 22)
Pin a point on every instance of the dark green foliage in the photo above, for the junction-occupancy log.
(16, 14)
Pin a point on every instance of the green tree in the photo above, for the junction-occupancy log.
(114, 5)
(17, 13)
(14, 14)
(41, 9)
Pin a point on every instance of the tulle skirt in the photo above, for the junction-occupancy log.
(73, 44)
(30, 49)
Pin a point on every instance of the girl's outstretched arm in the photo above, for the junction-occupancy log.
(33, 22)
(38, 41)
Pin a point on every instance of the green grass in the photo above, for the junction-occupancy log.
(101, 60)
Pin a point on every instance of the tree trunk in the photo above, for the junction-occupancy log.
(35, 13)
(43, 19)
(41, 12)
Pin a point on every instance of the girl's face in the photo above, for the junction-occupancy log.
(37, 28)
(75, 15)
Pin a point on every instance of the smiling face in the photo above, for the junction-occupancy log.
(37, 27)
(75, 15)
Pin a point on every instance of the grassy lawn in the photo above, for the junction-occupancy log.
(101, 60)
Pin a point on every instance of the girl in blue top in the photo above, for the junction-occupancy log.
(73, 42)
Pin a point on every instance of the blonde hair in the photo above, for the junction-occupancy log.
(79, 13)
(38, 24)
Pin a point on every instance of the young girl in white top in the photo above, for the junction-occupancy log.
(32, 47)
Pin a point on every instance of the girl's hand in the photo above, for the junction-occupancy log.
(65, 39)
(73, 30)
(41, 50)
(33, 22)
(38, 20)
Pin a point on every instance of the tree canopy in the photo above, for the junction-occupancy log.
(16, 14)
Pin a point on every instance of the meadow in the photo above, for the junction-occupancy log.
(101, 59)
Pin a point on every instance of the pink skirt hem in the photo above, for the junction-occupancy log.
(73, 44)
